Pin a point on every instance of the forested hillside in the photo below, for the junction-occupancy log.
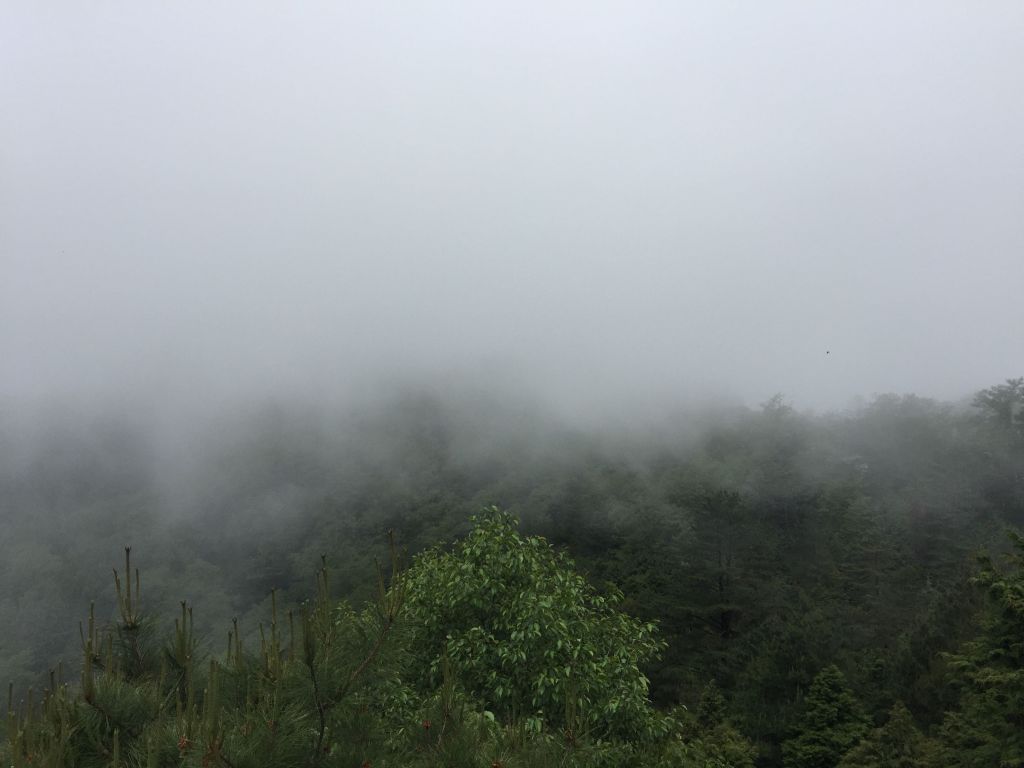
(800, 590)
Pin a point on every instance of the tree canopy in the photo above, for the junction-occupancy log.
(528, 634)
(749, 547)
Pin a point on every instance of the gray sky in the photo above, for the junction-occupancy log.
(600, 200)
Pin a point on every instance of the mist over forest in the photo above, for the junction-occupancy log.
(675, 344)
(766, 543)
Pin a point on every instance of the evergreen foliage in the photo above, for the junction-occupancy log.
(764, 544)
(897, 744)
(988, 728)
(832, 722)
(709, 730)
(331, 686)
(311, 695)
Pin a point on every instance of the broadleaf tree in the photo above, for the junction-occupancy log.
(525, 632)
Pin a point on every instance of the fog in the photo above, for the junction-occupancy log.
(611, 206)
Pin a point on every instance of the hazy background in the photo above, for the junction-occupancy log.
(600, 202)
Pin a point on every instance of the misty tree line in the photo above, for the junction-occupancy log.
(814, 579)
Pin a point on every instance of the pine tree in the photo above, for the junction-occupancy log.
(988, 729)
(897, 744)
(708, 731)
(831, 724)
(315, 694)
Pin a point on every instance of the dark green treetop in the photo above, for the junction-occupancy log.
(832, 722)
(988, 729)
(897, 744)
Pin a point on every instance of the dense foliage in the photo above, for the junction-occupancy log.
(988, 728)
(528, 635)
(766, 545)
(831, 724)
(336, 687)
(897, 744)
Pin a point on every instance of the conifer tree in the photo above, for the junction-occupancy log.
(988, 728)
(303, 700)
(897, 744)
(832, 722)
(709, 730)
